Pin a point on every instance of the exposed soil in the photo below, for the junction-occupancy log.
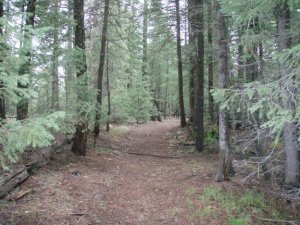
(110, 186)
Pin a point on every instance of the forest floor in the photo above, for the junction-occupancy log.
(137, 175)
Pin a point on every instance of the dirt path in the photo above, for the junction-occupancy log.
(114, 187)
(147, 189)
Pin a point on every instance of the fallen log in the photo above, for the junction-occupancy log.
(31, 161)
(10, 180)
(152, 155)
(18, 196)
(77, 214)
(278, 221)
(187, 143)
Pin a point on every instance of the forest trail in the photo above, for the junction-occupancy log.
(110, 186)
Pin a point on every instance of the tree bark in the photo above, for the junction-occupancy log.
(68, 68)
(101, 68)
(166, 90)
(242, 115)
(191, 72)
(22, 107)
(210, 63)
(12, 179)
(108, 91)
(224, 152)
(292, 165)
(2, 46)
(80, 139)
(55, 55)
(145, 36)
(240, 69)
(197, 27)
(180, 75)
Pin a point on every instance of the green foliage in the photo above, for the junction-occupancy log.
(268, 94)
(131, 103)
(238, 221)
(16, 136)
(250, 199)
(121, 110)
(203, 212)
(191, 191)
(192, 133)
(239, 207)
(210, 194)
(266, 99)
(211, 135)
(101, 150)
(231, 202)
(140, 103)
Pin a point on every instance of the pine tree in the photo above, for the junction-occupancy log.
(197, 29)
(224, 152)
(108, 89)
(101, 68)
(68, 65)
(2, 46)
(292, 164)
(25, 68)
(210, 60)
(179, 60)
(80, 138)
(54, 60)
(145, 37)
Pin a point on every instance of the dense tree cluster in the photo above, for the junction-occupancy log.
(73, 66)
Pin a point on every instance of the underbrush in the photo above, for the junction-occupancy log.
(236, 208)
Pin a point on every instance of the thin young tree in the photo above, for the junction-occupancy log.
(68, 66)
(145, 37)
(180, 73)
(2, 98)
(224, 151)
(108, 90)
(101, 68)
(210, 61)
(80, 139)
(54, 60)
(25, 67)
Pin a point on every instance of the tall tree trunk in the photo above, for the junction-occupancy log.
(101, 68)
(108, 91)
(55, 79)
(22, 107)
(240, 69)
(251, 67)
(180, 75)
(252, 73)
(197, 27)
(292, 165)
(69, 75)
(186, 22)
(261, 58)
(145, 36)
(2, 46)
(210, 63)
(224, 152)
(242, 115)
(22, 22)
(166, 90)
(80, 139)
(191, 72)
